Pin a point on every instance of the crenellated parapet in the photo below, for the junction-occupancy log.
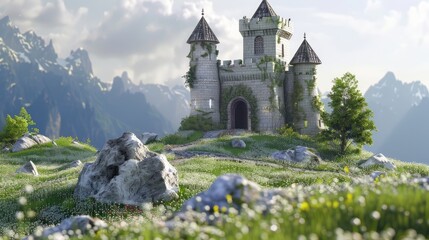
(250, 27)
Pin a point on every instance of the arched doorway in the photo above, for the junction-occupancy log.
(239, 114)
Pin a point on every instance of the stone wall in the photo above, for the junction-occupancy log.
(251, 76)
(205, 93)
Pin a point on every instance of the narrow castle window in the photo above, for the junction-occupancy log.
(259, 45)
(283, 50)
(211, 103)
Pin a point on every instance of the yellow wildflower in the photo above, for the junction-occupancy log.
(346, 169)
(304, 206)
(216, 209)
(228, 198)
(336, 204)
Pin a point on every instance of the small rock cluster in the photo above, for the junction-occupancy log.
(73, 226)
(299, 154)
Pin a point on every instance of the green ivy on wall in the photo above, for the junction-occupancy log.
(297, 97)
(311, 85)
(275, 79)
(191, 52)
(317, 104)
(229, 93)
(190, 76)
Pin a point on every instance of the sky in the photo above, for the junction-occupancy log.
(147, 38)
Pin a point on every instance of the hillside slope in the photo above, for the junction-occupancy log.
(334, 199)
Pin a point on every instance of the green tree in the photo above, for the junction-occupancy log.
(16, 127)
(350, 120)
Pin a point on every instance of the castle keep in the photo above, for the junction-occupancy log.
(267, 89)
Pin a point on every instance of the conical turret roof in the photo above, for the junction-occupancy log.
(305, 54)
(264, 10)
(203, 33)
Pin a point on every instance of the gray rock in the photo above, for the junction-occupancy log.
(376, 174)
(287, 155)
(231, 191)
(75, 164)
(148, 137)
(40, 139)
(28, 141)
(127, 172)
(238, 143)
(70, 227)
(28, 168)
(378, 160)
(23, 143)
(299, 154)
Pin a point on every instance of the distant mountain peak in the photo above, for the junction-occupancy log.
(5, 21)
(79, 62)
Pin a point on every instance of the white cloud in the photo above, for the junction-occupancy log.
(418, 23)
(373, 5)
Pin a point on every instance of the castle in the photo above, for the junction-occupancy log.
(267, 90)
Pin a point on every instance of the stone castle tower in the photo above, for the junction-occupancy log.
(267, 89)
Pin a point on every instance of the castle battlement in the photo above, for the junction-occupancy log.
(238, 65)
(273, 23)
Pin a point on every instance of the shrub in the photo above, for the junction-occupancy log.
(199, 122)
(288, 132)
(16, 127)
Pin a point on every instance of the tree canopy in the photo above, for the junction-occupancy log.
(16, 126)
(350, 120)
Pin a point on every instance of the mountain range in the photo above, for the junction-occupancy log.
(65, 98)
(401, 114)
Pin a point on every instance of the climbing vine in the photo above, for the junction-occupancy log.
(317, 104)
(276, 79)
(191, 52)
(297, 97)
(190, 76)
(229, 93)
(311, 85)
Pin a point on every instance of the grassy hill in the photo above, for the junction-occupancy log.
(334, 199)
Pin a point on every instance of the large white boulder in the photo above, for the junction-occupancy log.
(28, 168)
(127, 172)
(380, 160)
(28, 141)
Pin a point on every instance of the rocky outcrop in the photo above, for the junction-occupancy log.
(70, 227)
(28, 168)
(299, 154)
(127, 172)
(378, 160)
(147, 137)
(28, 141)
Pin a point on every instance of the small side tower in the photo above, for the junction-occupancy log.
(302, 94)
(203, 71)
